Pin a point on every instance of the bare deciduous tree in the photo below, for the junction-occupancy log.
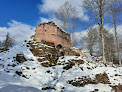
(1, 46)
(67, 15)
(63, 14)
(74, 24)
(0, 43)
(92, 39)
(74, 42)
(114, 11)
(110, 46)
(98, 8)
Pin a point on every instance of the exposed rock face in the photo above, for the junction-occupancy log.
(81, 82)
(69, 65)
(117, 88)
(70, 52)
(79, 52)
(20, 58)
(39, 50)
(50, 32)
(102, 78)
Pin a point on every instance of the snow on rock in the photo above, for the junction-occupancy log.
(31, 76)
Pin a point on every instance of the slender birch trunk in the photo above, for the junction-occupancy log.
(102, 31)
(117, 42)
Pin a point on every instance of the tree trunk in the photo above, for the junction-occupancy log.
(117, 42)
(102, 31)
(64, 27)
(91, 51)
(73, 35)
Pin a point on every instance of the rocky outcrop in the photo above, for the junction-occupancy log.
(117, 88)
(41, 49)
(81, 82)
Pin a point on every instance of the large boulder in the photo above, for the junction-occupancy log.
(102, 78)
(20, 58)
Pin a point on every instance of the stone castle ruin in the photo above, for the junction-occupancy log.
(50, 32)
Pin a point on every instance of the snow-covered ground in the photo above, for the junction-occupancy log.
(38, 77)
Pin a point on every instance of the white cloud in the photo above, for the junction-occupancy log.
(3, 32)
(119, 30)
(56, 21)
(78, 35)
(18, 30)
(43, 20)
(49, 6)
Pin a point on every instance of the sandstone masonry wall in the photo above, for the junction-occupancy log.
(52, 33)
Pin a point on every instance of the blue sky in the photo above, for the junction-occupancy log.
(25, 11)
(20, 17)
(30, 12)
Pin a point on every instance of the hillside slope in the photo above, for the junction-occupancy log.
(68, 74)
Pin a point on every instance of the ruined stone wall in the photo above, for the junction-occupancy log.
(79, 51)
(51, 33)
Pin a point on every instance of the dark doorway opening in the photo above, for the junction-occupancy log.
(59, 46)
